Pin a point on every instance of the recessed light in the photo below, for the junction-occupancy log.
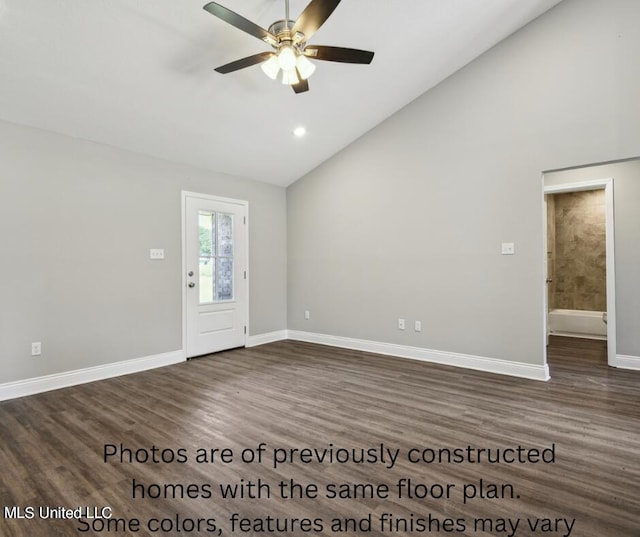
(299, 132)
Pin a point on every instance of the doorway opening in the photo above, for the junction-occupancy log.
(579, 286)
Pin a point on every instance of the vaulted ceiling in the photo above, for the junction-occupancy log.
(138, 74)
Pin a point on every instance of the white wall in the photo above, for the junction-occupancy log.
(77, 220)
(408, 221)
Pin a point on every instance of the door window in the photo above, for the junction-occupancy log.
(216, 257)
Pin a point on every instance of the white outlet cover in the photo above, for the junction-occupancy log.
(508, 248)
(156, 253)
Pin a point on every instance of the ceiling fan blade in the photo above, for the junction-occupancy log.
(301, 86)
(314, 16)
(240, 22)
(244, 62)
(338, 54)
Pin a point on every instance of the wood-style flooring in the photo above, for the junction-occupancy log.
(298, 395)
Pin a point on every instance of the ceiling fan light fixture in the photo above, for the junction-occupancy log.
(305, 67)
(271, 67)
(290, 77)
(288, 39)
(287, 58)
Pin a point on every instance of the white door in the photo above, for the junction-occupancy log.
(216, 272)
(547, 266)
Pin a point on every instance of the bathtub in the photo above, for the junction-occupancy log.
(578, 323)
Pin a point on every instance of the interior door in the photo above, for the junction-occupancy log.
(215, 263)
(548, 264)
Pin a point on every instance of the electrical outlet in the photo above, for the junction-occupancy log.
(418, 326)
(36, 348)
(307, 315)
(400, 324)
(156, 253)
(508, 248)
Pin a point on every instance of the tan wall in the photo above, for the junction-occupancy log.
(579, 278)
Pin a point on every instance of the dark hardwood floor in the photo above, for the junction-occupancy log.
(298, 395)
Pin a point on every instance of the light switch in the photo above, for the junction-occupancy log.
(156, 253)
(508, 248)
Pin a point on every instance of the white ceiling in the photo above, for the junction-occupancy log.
(138, 74)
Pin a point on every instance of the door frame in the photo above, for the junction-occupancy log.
(598, 184)
(183, 217)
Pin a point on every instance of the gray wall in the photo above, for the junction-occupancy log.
(626, 201)
(77, 220)
(408, 221)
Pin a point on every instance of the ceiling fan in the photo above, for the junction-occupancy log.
(289, 40)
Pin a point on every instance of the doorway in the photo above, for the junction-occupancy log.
(580, 321)
(215, 279)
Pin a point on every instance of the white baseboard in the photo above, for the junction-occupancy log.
(480, 363)
(627, 362)
(578, 335)
(12, 390)
(269, 337)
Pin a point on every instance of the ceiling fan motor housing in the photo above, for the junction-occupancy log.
(282, 30)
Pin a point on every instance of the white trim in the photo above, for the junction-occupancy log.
(269, 337)
(183, 254)
(480, 363)
(545, 275)
(578, 335)
(21, 388)
(627, 362)
(184, 194)
(578, 186)
(607, 185)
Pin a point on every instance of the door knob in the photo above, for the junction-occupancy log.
(191, 284)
